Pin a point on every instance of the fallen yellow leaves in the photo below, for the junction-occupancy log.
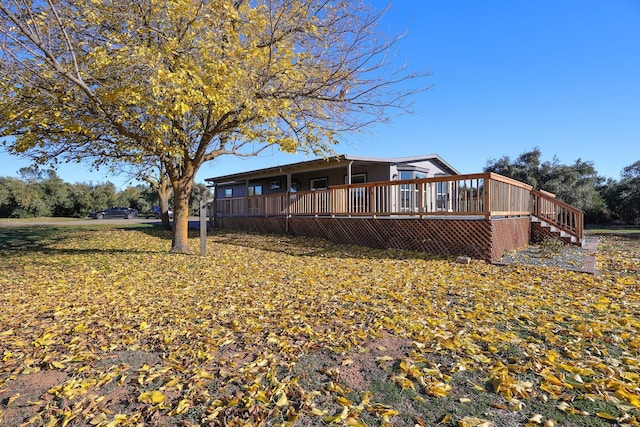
(142, 335)
(151, 397)
(474, 422)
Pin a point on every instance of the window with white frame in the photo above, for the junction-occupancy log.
(359, 178)
(358, 200)
(318, 184)
(409, 197)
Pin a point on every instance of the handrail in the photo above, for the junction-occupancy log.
(483, 194)
(450, 195)
(558, 213)
(507, 180)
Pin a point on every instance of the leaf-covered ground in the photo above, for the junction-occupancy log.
(103, 327)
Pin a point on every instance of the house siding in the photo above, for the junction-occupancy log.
(239, 190)
(335, 176)
(435, 170)
(378, 173)
(336, 173)
(426, 166)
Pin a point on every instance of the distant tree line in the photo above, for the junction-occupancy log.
(43, 193)
(602, 200)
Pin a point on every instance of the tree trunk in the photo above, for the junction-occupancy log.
(181, 193)
(164, 192)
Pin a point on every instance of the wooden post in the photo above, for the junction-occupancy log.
(287, 205)
(487, 196)
(372, 201)
(421, 187)
(203, 227)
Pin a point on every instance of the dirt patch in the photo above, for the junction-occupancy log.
(359, 369)
(389, 345)
(134, 359)
(24, 397)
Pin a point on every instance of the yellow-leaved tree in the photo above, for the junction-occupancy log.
(186, 81)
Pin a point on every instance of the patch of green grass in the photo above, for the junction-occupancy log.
(613, 230)
(388, 393)
(26, 238)
(549, 411)
(43, 238)
(38, 219)
(511, 352)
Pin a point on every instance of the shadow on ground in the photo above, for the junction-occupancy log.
(50, 239)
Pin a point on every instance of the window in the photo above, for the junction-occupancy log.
(359, 199)
(275, 185)
(406, 175)
(409, 196)
(254, 190)
(318, 184)
(442, 196)
(359, 178)
(228, 192)
(412, 175)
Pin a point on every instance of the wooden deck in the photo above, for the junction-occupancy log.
(480, 215)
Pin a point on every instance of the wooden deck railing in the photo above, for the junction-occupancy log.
(484, 194)
(477, 194)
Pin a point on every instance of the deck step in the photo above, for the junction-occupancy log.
(561, 234)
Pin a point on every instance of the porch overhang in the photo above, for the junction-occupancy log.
(333, 162)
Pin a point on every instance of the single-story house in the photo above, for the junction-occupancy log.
(418, 203)
(320, 174)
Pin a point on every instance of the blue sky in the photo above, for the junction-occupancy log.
(506, 76)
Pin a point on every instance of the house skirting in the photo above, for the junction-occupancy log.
(479, 238)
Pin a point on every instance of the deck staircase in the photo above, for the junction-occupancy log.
(556, 218)
(555, 232)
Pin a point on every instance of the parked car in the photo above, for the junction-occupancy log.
(155, 213)
(115, 212)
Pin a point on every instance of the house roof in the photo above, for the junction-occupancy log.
(328, 163)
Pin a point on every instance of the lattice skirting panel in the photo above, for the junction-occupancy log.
(446, 237)
(485, 239)
(509, 234)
